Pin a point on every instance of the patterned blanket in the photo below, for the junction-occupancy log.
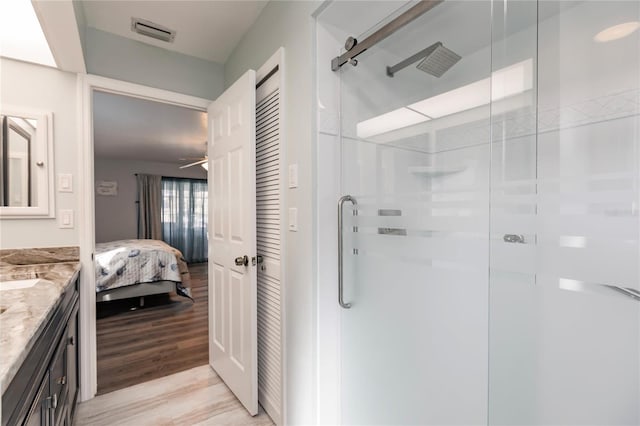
(129, 262)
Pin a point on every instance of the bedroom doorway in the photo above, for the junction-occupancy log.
(151, 204)
(269, 379)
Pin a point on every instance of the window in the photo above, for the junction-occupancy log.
(184, 216)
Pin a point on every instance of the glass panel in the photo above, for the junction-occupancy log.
(495, 236)
(564, 292)
(415, 155)
(512, 343)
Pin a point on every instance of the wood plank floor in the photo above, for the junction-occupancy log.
(168, 335)
(193, 397)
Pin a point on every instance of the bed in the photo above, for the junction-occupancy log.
(138, 268)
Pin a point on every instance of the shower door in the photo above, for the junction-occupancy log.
(564, 330)
(415, 157)
(491, 264)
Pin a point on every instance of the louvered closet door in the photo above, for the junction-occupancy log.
(268, 229)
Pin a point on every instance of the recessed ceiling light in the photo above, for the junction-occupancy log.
(616, 32)
(21, 35)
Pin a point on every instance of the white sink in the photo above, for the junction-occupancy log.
(18, 284)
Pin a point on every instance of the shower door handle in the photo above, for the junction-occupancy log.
(341, 202)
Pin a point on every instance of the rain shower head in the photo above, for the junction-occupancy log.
(436, 60)
(439, 61)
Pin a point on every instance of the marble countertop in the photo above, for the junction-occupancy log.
(32, 256)
(28, 310)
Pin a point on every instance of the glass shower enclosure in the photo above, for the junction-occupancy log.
(490, 260)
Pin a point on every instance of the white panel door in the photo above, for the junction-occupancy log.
(232, 240)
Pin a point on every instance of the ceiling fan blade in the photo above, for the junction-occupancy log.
(193, 164)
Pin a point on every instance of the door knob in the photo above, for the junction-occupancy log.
(242, 261)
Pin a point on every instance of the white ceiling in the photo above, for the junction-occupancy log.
(205, 29)
(21, 35)
(137, 129)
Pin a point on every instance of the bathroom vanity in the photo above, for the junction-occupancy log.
(39, 341)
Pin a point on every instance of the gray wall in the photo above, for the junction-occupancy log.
(81, 21)
(117, 57)
(290, 25)
(116, 216)
(49, 90)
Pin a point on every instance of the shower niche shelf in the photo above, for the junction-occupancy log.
(432, 171)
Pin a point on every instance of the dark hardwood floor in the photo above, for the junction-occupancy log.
(169, 334)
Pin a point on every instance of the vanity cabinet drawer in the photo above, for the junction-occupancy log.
(39, 413)
(72, 364)
(58, 380)
(44, 390)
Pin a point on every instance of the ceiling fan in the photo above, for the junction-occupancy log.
(203, 161)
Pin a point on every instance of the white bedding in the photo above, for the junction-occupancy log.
(129, 262)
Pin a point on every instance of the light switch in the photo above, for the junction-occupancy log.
(65, 182)
(293, 175)
(293, 219)
(65, 219)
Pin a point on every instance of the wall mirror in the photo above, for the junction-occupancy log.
(26, 163)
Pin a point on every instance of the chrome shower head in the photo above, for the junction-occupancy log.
(436, 60)
(439, 61)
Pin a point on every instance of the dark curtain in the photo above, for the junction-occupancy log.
(149, 206)
(184, 217)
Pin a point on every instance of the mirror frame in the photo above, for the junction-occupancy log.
(43, 176)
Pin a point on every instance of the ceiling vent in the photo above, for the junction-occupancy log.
(153, 30)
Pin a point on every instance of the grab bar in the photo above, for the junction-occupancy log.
(341, 202)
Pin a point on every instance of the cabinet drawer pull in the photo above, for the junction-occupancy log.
(71, 341)
(52, 401)
(62, 380)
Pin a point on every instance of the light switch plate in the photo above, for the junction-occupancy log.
(293, 219)
(65, 219)
(65, 182)
(293, 175)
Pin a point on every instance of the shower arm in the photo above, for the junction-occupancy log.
(414, 58)
(415, 12)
